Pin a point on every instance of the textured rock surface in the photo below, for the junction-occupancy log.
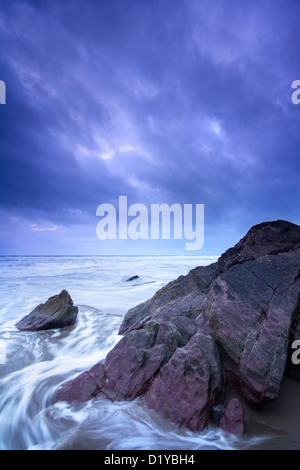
(230, 324)
(183, 296)
(266, 238)
(146, 350)
(189, 384)
(57, 312)
(249, 311)
(233, 418)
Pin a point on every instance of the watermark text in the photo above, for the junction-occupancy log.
(296, 354)
(296, 95)
(135, 222)
(2, 92)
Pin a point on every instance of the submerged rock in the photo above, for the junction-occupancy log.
(57, 312)
(229, 325)
(132, 278)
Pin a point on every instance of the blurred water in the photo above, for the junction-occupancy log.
(34, 364)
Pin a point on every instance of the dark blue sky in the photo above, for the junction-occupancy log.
(165, 101)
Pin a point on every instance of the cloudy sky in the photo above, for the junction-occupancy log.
(164, 101)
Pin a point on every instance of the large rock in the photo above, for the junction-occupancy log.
(57, 312)
(230, 324)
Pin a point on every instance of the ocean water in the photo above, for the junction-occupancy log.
(34, 364)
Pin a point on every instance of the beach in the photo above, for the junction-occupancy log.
(35, 364)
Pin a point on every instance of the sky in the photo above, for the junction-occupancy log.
(162, 101)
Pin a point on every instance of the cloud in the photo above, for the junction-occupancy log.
(189, 104)
(43, 229)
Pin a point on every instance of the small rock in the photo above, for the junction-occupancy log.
(133, 278)
(233, 418)
(57, 312)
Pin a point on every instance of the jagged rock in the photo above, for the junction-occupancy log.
(235, 319)
(266, 238)
(57, 312)
(232, 419)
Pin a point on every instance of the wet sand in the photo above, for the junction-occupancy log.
(280, 419)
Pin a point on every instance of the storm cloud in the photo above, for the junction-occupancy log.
(162, 101)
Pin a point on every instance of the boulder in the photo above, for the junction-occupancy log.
(232, 420)
(57, 312)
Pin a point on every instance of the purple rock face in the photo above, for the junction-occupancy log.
(249, 311)
(129, 375)
(230, 324)
(57, 312)
(189, 384)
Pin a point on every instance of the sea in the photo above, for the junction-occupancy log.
(33, 365)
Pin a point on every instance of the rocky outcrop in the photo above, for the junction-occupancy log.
(230, 324)
(57, 312)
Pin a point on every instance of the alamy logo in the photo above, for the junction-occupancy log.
(296, 94)
(2, 92)
(155, 225)
(296, 354)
